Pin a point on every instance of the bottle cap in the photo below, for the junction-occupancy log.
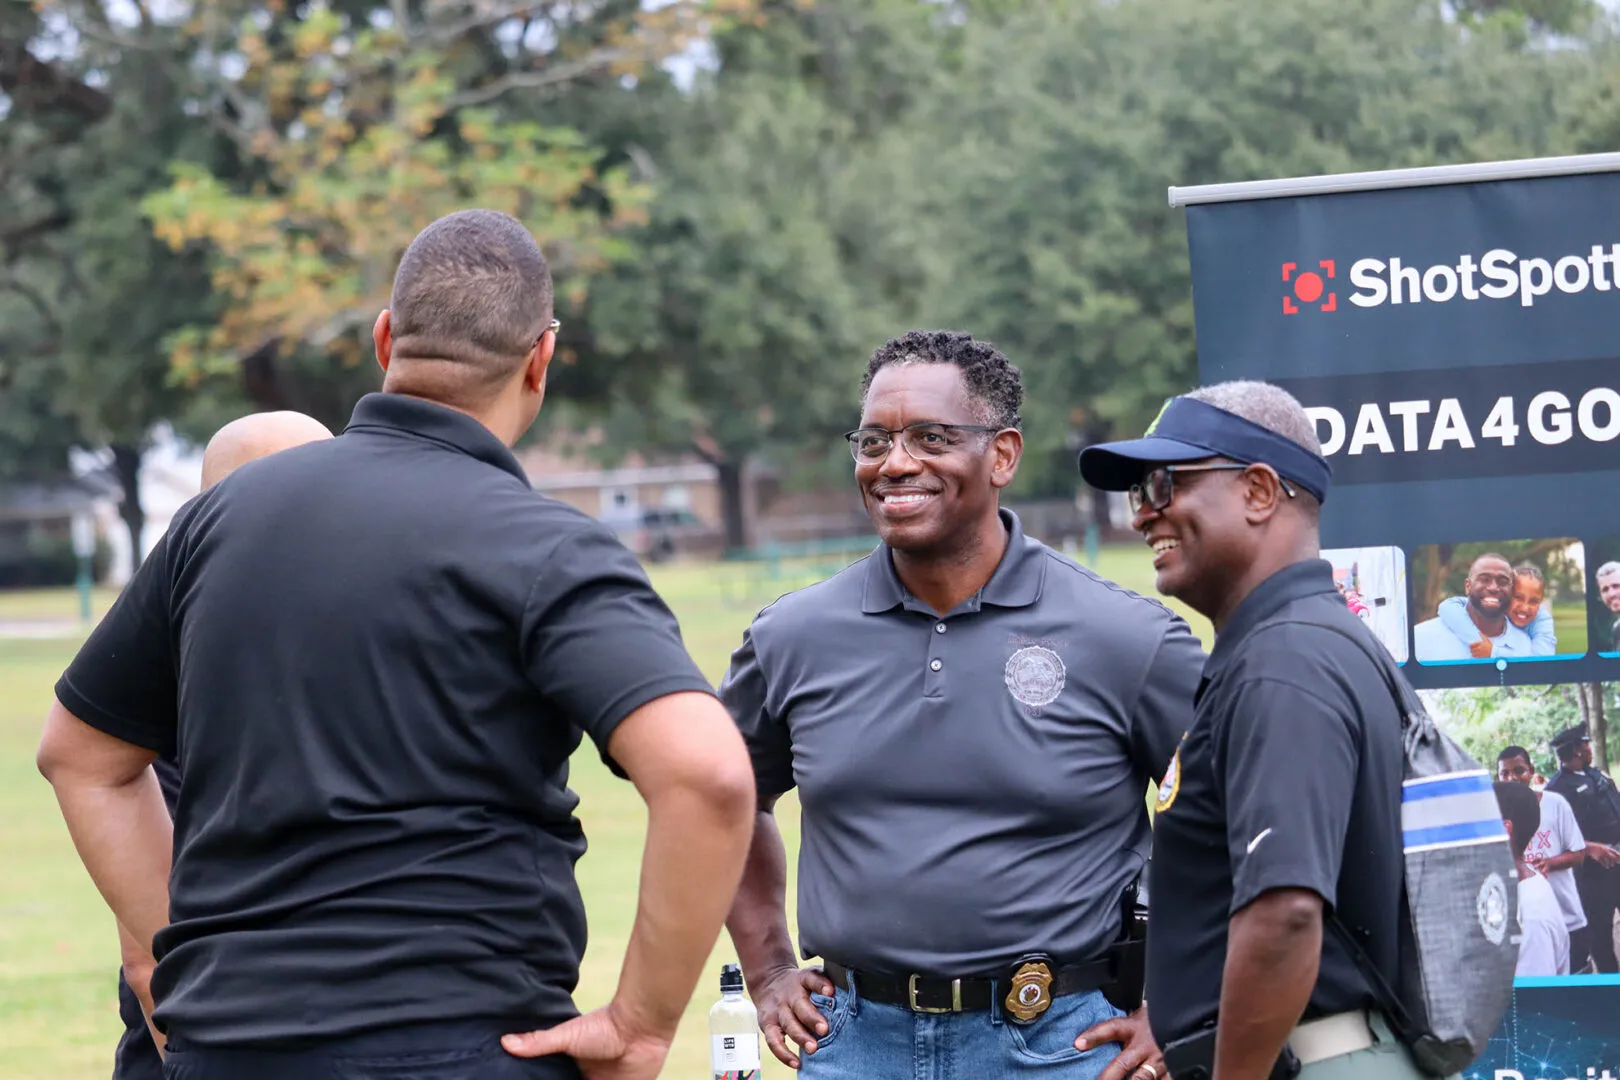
(730, 978)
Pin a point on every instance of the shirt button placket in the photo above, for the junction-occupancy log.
(934, 681)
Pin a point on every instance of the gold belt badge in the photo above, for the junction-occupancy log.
(1031, 992)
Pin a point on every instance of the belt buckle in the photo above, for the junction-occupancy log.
(956, 997)
(1030, 993)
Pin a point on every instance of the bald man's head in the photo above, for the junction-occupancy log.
(255, 436)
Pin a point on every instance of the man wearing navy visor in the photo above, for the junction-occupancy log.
(1280, 812)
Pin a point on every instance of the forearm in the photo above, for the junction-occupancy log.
(758, 920)
(138, 965)
(1568, 860)
(1274, 950)
(125, 838)
(697, 839)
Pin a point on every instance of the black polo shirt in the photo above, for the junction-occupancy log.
(1595, 801)
(1289, 778)
(373, 656)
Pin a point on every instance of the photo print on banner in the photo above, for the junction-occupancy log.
(1550, 739)
(1605, 596)
(1372, 581)
(1490, 603)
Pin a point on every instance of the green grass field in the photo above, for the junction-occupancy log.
(58, 948)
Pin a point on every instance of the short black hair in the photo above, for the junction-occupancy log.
(1511, 752)
(991, 379)
(1520, 807)
(473, 293)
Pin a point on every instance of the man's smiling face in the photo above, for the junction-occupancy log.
(1490, 587)
(926, 499)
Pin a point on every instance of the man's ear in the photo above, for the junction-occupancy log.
(382, 336)
(1262, 493)
(534, 374)
(1007, 450)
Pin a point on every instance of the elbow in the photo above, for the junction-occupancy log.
(46, 762)
(138, 969)
(1298, 914)
(51, 758)
(1286, 914)
(685, 751)
(731, 790)
(720, 781)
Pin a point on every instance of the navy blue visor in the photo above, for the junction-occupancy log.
(1189, 430)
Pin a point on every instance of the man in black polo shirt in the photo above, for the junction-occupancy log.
(374, 656)
(1281, 811)
(244, 439)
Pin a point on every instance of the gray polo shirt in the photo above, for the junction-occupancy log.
(973, 787)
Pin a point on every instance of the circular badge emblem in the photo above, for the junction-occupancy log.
(1492, 906)
(1030, 994)
(1170, 785)
(1035, 676)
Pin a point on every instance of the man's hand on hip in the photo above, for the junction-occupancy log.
(786, 1012)
(1139, 1058)
(603, 1044)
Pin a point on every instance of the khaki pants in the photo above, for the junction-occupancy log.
(1386, 1059)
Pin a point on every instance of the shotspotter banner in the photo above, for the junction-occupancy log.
(1454, 333)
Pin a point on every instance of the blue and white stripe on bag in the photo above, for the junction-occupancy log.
(1452, 810)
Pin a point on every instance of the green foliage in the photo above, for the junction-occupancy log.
(87, 352)
(1048, 157)
(1522, 18)
(781, 249)
(728, 254)
(1487, 720)
(359, 125)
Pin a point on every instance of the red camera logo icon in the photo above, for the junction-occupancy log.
(1309, 287)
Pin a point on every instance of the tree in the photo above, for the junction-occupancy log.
(102, 294)
(359, 124)
(1049, 155)
(1522, 18)
(779, 251)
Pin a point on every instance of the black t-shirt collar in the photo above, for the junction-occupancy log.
(1310, 577)
(419, 418)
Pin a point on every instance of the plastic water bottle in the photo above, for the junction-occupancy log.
(733, 1030)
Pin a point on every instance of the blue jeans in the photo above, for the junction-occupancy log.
(469, 1050)
(867, 1040)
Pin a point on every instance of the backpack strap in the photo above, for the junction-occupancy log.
(1399, 1017)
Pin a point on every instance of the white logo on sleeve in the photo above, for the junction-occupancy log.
(1256, 841)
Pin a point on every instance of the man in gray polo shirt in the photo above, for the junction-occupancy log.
(972, 722)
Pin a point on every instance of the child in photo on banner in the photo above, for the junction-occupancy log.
(1529, 611)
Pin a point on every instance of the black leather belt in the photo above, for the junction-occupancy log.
(1028, 987)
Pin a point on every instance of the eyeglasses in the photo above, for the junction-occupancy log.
(1159, 486)
(925, 439)
(551, 328)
